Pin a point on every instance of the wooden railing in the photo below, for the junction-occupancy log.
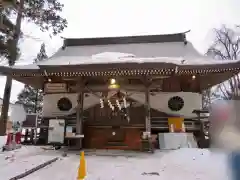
(162, 123)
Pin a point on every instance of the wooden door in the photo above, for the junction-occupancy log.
(116, 134)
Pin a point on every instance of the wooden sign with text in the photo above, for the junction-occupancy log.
(55, 88)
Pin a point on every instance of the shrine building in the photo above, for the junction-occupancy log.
(116, 92)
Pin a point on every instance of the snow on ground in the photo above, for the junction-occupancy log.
(13, 163)
(182, 164)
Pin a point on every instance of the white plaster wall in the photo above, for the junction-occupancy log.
(50, 108)
(159, 102)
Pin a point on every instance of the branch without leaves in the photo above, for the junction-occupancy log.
(226, 47)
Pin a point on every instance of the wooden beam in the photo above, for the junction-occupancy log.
(79, 112)
(100, 88)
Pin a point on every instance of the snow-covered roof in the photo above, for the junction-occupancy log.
(170, 48)
(175, 53)
(170, 52)
(145, 55)
(28, 66)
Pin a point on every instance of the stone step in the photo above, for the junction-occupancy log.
(116, 145)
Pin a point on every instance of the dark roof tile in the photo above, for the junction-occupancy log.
(179, 37)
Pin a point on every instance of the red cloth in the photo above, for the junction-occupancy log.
(18, 137)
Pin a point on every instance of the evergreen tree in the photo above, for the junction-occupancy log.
(43, 13)
(32, 98)
(6, 26)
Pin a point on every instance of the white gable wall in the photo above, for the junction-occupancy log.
(159, 102)
(50, 101)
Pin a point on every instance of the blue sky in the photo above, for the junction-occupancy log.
(94, 18)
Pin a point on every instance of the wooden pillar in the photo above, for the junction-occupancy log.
(32, 136)
(79, 114)
(147, 111)
(26, 135)
(202, 134)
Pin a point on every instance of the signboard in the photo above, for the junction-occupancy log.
(176, 123)
(69, 131)
(55, 87)
(56, 131)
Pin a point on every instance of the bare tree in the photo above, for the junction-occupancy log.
(207, 98)
(226, 47)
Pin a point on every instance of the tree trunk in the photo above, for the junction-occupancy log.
(5, 105)
(11, 60)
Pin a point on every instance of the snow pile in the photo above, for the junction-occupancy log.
(195, 157)
(201, 162)
(13, 163)
(23, 152)
(117, 57)
(3, 140)
(204, 60)
(112, 55)
(182, 164)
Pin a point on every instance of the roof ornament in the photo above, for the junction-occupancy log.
(176, 70)
(64, 43)
(185, 42)
(183, 61)
(185, 39)
(63, 47)
(46, 74)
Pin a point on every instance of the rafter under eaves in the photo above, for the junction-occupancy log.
(8, 3)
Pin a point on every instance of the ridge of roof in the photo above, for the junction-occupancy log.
(177, 37)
